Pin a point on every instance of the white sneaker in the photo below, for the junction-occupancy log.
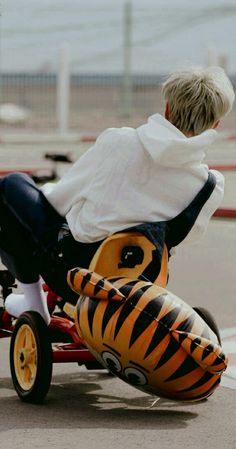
(16, 304)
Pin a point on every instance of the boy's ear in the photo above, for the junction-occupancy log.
(167, 111)
(216, 124)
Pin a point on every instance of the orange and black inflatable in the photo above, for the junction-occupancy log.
(147, 336)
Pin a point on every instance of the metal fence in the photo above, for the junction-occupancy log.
(65, 94)
(92, 101)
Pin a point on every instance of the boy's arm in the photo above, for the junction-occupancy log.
(200, 226)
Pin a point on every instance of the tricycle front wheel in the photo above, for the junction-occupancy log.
(31, 358)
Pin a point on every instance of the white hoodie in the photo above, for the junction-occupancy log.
(131, 176)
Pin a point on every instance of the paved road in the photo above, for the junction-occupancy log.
(94, 410)
(90, 409)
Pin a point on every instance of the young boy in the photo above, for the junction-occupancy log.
(154, 174)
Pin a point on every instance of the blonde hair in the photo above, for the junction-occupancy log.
(197, 98)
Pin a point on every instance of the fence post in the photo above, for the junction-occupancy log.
(127, 80)
(211, 56)
(223, 61)
(63, 91)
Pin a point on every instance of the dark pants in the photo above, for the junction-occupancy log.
(29, 228)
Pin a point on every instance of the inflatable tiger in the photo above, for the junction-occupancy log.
(147, 336)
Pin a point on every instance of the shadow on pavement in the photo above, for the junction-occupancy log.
(79, 401)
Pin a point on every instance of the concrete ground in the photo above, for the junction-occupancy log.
(91, 409)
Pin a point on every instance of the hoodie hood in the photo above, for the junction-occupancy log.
(169, 146)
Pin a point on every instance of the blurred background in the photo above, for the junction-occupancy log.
(83, 65)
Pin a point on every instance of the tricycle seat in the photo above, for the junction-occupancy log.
(128, 254)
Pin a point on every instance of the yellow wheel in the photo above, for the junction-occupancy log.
(31, 357)
(25, 357)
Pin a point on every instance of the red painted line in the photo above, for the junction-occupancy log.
(92, 138)
(88, 138)
(28, 171)
(223, 167)
(225, 213)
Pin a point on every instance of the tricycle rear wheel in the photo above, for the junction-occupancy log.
(209, 319)
(31, 358)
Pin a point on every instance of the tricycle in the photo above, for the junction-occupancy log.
(123, 322)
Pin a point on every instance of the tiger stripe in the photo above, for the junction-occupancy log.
(111, 309)
(129, 307)
(91, 312)
(143, 322)
(157, 338)
(170, 351)
(93, 285)
(186, 367)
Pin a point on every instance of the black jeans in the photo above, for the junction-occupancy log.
(29, 228)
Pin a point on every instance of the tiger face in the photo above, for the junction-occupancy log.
(153, 340)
